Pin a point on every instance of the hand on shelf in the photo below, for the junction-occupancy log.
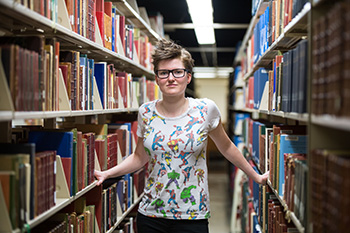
(263, 178)
(100, 176)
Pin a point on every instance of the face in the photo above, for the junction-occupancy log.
(172, 86)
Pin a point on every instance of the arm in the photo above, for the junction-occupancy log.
(132, 163)
(228, 149)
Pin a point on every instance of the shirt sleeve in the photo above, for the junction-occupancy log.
(214, 114)
(140, 126)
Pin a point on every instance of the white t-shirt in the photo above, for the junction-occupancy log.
(177, 185)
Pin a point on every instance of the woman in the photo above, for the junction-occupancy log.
(172, 137)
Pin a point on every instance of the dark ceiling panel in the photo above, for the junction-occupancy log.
(172, 11)
(228, 37)
(232, 11)
(225, 12)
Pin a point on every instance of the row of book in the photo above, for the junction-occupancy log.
(329, 177)
(281, 150)
(330, 62)
(127, 226)
(268, 28)
(113, 28)
(28, 181)
(97, 211)
(79, 218)
(30, 186)
(34, 82)
(283, 88)
(47, 9)
(96, 18)
(261, 209)
(276, 216)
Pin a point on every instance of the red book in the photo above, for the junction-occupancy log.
(100, 151)
(80, 161)
(108, 8)
(100, 18)
(57, 63)
(122, 30)
(251, 92)
(94, 197)
(67, 166)
(122, 82)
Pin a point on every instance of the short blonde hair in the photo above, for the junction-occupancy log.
(167, 49)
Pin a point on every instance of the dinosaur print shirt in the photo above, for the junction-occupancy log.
(177, 184)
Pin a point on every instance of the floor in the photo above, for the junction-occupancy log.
(220, 203)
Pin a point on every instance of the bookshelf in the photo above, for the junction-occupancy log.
(92, 115)
(324, 24)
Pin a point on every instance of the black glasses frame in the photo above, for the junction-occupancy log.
(172, 71)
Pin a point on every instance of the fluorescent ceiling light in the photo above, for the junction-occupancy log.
(201, 12)
(205, 35)
(212, 72)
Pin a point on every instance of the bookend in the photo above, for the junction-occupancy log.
(97, 98)
(6, 103)
(5, 221)
(62, 17)
(265, 98)
(120, 99)
(62, 191)
(120, 48)
(97, 164)
(98, 38)
(135, 56)
(63, 104)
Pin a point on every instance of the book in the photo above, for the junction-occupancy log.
(62, 143)
(18, 187)
(100, 71)
(289, 144)
(26, 148)
(108, 24)
(303, 64)
(73, 57)
(100, 18)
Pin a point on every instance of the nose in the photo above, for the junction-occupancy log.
(171, 76)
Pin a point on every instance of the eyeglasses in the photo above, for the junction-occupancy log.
(177, 73)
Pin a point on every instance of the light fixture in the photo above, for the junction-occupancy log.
(212, 72)
(201, 12)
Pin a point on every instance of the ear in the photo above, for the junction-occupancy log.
(189, 78)
(156, 78)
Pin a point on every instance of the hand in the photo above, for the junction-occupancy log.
(100, 176)
(263, 178)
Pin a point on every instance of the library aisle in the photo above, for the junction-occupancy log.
(220, 204)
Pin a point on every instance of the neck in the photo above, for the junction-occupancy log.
(172, 107)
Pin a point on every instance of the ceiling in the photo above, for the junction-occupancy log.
(231, 20)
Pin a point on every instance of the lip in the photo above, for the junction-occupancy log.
(171, 85)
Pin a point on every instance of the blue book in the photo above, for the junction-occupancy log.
(85, 69)
(256, 194)
(289, 144)
(256, 42)
(114, 31)
(120, 195)
(266, 31)
(127, 177)
(91, 83)
(261, 35)
(61, 142)
(238, 141)
(261, 76)
(101, 81)
(256, 88)
(239, 118)
(255, 142)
